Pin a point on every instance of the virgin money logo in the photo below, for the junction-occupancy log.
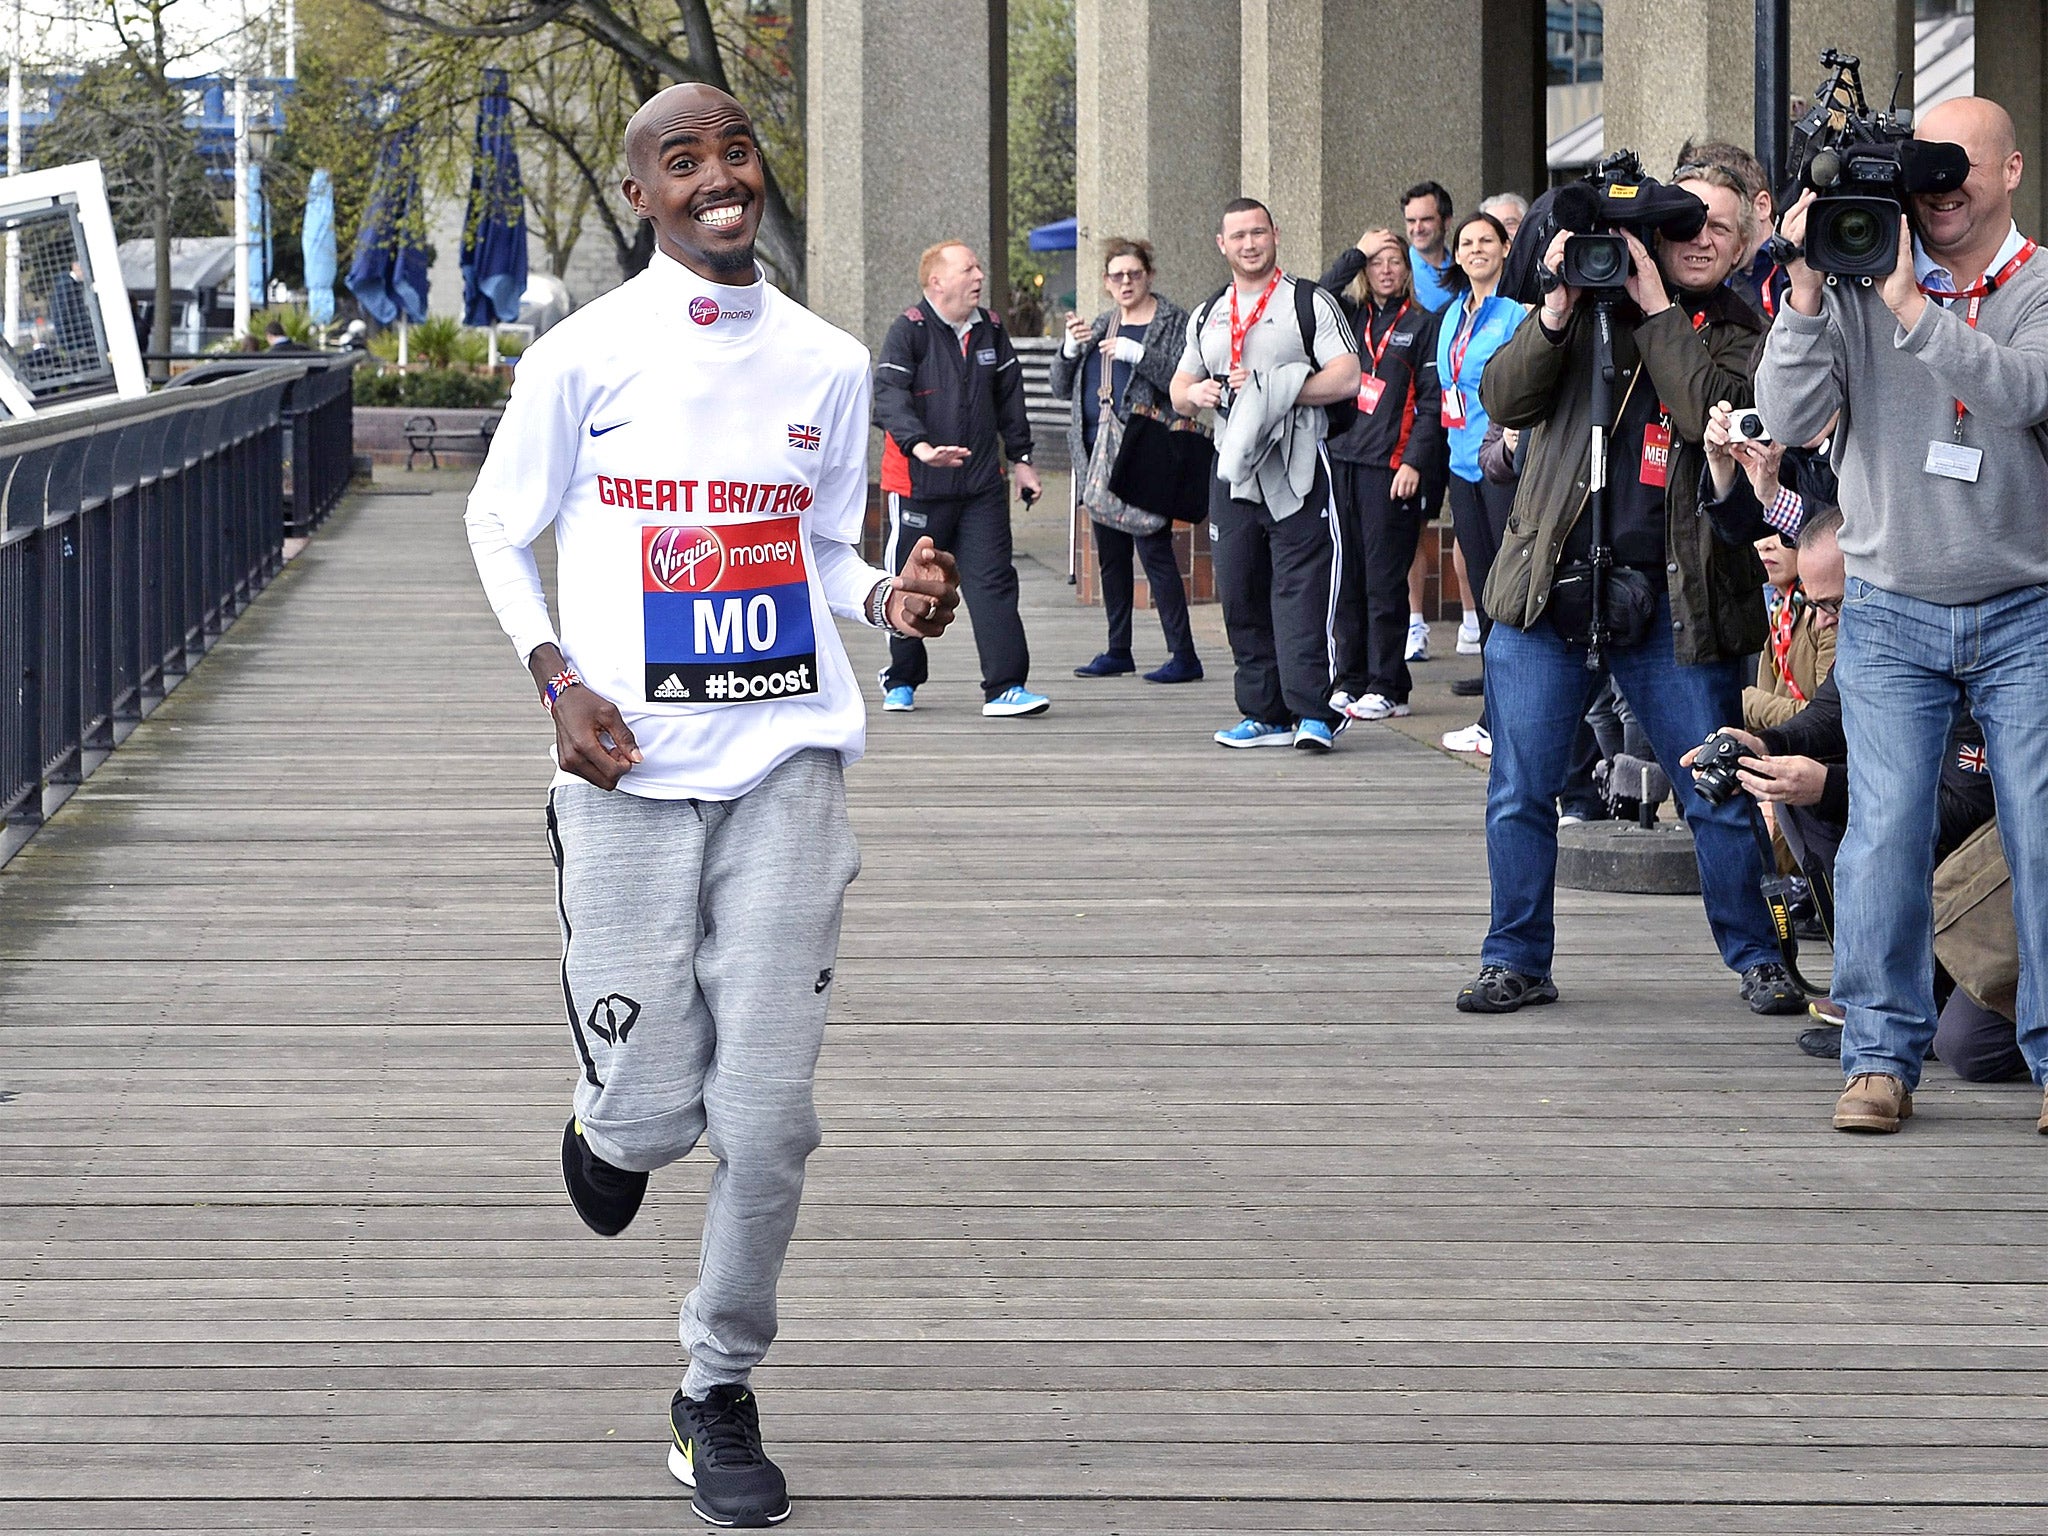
(704, 309)
(685, 559)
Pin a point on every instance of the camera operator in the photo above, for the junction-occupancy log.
(1694, 605)
(1940, 373)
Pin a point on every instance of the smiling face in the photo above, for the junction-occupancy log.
(694, 173)
(1702, 264)
(1480, 252)
(1979, 211)
(1425, 223)
(1250, 244)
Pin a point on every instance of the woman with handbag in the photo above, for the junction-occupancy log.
(1122, 362)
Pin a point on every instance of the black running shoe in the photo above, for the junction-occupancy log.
(716, 1449)
(1770, 989)
(1500, 990)
(607, 1198)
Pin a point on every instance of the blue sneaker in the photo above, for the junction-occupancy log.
(1255, 733)
(1314, 736)
(900, 700)
(1016, 701)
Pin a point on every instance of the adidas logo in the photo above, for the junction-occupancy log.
(671, 687)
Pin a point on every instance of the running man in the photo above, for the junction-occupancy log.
(699, 443)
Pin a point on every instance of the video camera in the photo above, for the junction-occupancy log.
(1617, 197)
(1863, 165)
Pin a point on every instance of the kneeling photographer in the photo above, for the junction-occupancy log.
(1932, 343)
(1800, 767)
(1612, 475)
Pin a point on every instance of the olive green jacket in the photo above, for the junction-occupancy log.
(1545, 387)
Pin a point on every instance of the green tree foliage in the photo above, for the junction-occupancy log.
(1041, 125)
(331, 123)
(115, 117)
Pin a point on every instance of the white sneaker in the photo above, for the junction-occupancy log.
(1374, 706)
(1473, 738)
(1418, 638)
(1468, 635)
(1341, 702)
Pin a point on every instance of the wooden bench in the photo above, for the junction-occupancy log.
(422, 436)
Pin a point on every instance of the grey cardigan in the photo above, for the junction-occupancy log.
(1151, 376)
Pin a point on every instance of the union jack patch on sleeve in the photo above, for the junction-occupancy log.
(801, 436)
(1970, 758)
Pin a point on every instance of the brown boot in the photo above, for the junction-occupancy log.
(1873, 1101)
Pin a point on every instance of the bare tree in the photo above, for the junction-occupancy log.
(637, 47)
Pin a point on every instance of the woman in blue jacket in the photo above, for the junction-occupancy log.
(1477, 325)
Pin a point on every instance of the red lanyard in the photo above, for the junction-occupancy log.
(1238, 331)
(1461, 339)
(1764, 293)
(1386, 339)
(1977, 294)
(1785, 619)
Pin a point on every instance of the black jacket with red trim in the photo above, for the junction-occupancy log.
(929, 390)
(1405, 427)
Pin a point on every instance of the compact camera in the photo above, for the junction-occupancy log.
(1721, 757)
(1747, 427)
(1863, 165)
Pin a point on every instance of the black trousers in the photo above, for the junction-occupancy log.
(1274, 580)
(1479, 518)
(1113, 551)
(975, 531)
(1377, 536)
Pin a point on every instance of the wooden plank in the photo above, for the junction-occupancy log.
(1150, 1135)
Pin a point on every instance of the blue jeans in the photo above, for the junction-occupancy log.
(1538, 690)
(1905, 667)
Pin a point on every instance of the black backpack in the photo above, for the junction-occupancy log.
(1342, 415)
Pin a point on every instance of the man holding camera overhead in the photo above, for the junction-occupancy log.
(1939, 368)
(1683, 608)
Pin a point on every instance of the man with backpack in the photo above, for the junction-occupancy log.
(1269, 353)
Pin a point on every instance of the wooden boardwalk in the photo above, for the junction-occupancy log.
(1162, 1192)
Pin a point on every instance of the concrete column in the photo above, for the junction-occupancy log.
(1346, 103)
(891, 170)
(1156, 136)
(2012, 69)
(1680, 71)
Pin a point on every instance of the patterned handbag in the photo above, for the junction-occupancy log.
(1104, 505)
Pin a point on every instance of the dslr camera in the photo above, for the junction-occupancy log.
(1863, 165)
(1617, 197)
(1714, 771)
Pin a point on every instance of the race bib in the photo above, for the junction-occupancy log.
(727, 612)
(1656, 470)
(1453, 412)
(1370, 388)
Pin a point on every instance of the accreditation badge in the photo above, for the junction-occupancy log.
(1370, 388)
(1656, 467)
(726, 609)
(1452, 412)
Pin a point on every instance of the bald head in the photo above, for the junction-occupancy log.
(1974, 122)
(702, 111)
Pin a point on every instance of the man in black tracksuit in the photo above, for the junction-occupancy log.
(1381, 467)
(947, 386)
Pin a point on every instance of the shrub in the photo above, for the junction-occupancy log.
(431, 389)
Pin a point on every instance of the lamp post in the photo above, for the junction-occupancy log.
(241, 208)
(13, 310)
(1773, 71)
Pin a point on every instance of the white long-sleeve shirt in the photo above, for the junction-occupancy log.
(701, 451)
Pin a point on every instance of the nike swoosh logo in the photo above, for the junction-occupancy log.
(597, 431)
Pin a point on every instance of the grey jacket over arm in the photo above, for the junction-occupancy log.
(1151, 376)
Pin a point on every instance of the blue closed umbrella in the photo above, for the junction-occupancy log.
(389, 275)
(494, 226)
(316, 241)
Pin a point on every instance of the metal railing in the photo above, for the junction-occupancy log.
(319, 416)
(131, 535)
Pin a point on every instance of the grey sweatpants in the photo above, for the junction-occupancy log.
(698, 943)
